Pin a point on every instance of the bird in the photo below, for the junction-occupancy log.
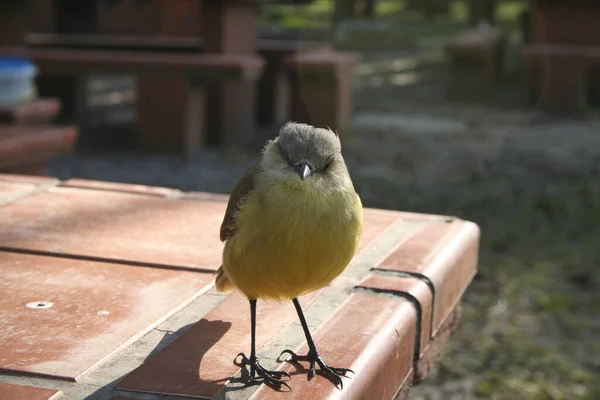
(291, 226)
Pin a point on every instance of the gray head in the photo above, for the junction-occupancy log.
(305, 151)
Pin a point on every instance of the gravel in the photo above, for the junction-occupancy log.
(201, 171)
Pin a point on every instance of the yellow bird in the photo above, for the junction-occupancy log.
(292, 225)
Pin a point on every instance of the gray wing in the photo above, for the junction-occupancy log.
(243, 187)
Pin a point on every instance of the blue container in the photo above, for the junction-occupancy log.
(17, 83)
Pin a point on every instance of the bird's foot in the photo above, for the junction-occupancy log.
(272, 378)
(331, 373)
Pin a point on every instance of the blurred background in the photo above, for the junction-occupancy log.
(482, 109)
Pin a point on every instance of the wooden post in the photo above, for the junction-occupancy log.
(230, 26)
(41, 16)
(321, 88)
(13, 22)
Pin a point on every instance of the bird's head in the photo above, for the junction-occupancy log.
(303, 155)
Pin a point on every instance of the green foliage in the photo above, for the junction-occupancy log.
(319, 13)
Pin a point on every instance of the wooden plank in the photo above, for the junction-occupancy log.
(113, 41)
(162, 43)
(200, 66)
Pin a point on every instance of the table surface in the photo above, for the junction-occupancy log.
(108, 290)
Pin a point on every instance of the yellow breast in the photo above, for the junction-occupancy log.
(291, 243)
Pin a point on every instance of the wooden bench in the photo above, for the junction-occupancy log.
(476, 63)
(563, 54)
(224, 27)
(275, 92)
(561, 75)
(28, 149)
(165, 122)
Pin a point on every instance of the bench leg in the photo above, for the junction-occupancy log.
(195, 118)
(13, 22)
(218, 18)
(66, 88)
(562, 86)
(170, 112)
(322, 98)
(230, 26)
(161, 111)
(230, 113)
(273, 94)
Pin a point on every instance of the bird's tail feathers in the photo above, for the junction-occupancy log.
(222, 282)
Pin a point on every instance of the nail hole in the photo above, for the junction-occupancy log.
(40, 304)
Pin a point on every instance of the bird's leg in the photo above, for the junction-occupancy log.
(270, 377)
(332, 373)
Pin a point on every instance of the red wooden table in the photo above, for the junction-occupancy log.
(107, 291)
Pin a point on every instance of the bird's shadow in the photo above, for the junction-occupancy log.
(187, 349)
(190, 343)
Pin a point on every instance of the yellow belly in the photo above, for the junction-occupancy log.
(283, 249)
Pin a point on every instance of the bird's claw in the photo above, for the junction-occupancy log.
(331, 373)
(272, 378)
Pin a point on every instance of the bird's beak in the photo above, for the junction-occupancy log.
(304, 171)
